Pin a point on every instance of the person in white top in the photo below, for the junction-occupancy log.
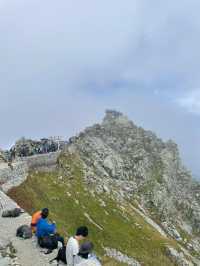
(72, 248)
(85, 257)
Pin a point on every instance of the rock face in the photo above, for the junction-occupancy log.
(178, 258)
(2, 156)
(121, 257)
(18, 172)
(14, 176)
(140, 165)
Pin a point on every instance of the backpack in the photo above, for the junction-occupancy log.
(12, 213)
(61, 256)
(24, 231)
(49, 242)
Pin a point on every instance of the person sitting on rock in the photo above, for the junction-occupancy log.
(46, 233)
(85, 257)
(72, 248)
(35, 218)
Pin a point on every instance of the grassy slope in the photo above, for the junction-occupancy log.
(69, 200)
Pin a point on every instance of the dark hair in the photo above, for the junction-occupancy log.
(82, 231)
(45, 213)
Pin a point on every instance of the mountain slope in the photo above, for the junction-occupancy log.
(111, 225)
(140, 165)
(102, 175)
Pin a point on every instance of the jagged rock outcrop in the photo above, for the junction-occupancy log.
(178, 257)
(16, 173)
(119, 154)
(2, 156)
(12, 176)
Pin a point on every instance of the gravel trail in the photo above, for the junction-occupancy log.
(27, 251)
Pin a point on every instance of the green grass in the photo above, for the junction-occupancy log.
(69, 199)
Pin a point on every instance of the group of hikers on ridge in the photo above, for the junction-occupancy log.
(73, 253)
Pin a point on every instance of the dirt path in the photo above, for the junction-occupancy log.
(27, 251)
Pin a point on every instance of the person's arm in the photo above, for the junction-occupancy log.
(70, 259)
(75, 252)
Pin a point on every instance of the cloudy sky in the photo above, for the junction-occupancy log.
(62, 63)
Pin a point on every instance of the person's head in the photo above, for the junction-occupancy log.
(85, 249)
(81, 233)
(45, 213)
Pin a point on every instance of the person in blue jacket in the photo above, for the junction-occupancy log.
(46, 232)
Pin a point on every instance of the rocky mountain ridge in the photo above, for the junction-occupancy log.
(141, 175)
(118, 154)
(143, 165)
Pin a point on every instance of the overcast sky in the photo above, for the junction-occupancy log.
(62, 63)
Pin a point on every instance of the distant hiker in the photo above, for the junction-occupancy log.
(85, 256)
(46, 233)
(35, 218)
(72, 248)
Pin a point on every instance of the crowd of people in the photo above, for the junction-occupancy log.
(76, 252)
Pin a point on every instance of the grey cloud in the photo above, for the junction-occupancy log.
(63, 63)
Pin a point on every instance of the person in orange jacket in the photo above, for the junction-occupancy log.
(35, 218)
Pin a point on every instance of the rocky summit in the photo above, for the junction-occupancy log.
(139, 165)
(141, 204)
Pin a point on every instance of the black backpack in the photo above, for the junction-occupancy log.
(24, 231)
(61, 256)
(49, 242)
(12, 212)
